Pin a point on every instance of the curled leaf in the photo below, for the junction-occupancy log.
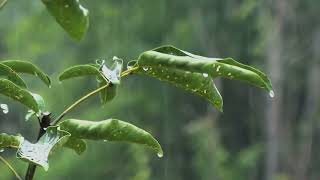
(28, 68)
(39, 152)
(111, 130)
(170, 57)
(71, 16)
(78, 145)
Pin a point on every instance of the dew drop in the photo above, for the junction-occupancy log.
(1, 150)
(145, 68)
(5, 108)
(229, 74)
(205, 75)
(271, 94)
(105, 140)
(218, 68)
(160, 154)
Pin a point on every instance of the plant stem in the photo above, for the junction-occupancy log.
(4, 2)
(83, 98)
(10, 167)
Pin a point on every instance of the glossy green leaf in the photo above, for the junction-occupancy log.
(78, 71)
(109, 93)
(28, 68)
(11, 75)
(78, 145)
(167, 57)
(9, 141)
(71, 16)
(39, 152)
(196, 83)
(110, 130)
(23, 96)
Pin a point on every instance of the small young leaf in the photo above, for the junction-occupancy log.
(195, 83)
(78, 71)
(39, 152)
(71, 16)
(29, 68)
(111, 130)
(9, 141)
(214, 67)
(78, 145)
(23, 96)
(12, 75)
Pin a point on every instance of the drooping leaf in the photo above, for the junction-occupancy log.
(28, 68)
(109, 93)
(23, 96)
(167, 57)
(196, 83)
(39, 152)
(71, 16)
(78, 71)
(111, 130)
(78, 145)
(40, 102)
(9, 141)
(11, 75)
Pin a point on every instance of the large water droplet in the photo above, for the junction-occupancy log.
(205, 75)
(160, 154)
(5, 108)
(1, 150)
(271, 94)
(145, 68)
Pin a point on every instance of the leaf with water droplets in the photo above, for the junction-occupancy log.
(23, 96)
(111, 130)
(11, 75)
(71, 16)
(170, 57)
(28, 68)
(195, 83)
(39, 152)
(9, 141)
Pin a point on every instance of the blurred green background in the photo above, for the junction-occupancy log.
(255, 138)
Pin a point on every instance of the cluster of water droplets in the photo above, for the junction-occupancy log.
(5, 108)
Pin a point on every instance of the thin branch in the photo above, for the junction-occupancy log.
(11, 168)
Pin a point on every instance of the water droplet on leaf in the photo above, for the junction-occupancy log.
(271, 94)
(160, 155)
(205, 75)
(1, 150)
(5, 108)
(145, 68)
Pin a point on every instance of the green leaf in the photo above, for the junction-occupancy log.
(78, 145)
(195, 83)
(78, 71)
(109, 93)
(28, 68)
(71, 16)
(23, 96)
(9, 141)
(39, 152)
(110, 130)
(40, 102)
(167, 57)
(11, 75)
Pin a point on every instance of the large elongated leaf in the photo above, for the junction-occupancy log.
(111, 130)
(78, 145)
(196, 83)
(167, 57)
(23, 96)
(9, 141)
(71, 16)
(11, 75)
(29, 68)
(39, 152)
